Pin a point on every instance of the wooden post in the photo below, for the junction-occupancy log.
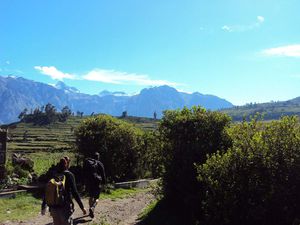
(3, 138)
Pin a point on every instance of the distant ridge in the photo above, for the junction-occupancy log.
(269, 111)
(17, 93)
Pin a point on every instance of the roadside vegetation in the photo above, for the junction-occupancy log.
(218, 173)
(46, 144)
(24, 206)
(114, 194)
(20, 207)
(213, 171)
(124, 149)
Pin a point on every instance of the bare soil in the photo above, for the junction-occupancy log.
(123, 211)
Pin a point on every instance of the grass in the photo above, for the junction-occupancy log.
(27, 137)
(22, 207)
(43, 160)
(45, 145)
(121, 193)
(25, 206)
(148, 209)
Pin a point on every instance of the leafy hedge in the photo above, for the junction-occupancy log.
(257, 181)
(188, 136)
(214, 172)
(124, 149)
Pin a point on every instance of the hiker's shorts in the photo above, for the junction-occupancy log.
(61, 216)
(93, 191)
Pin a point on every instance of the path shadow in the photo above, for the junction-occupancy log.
(165, 213)
(81, 219)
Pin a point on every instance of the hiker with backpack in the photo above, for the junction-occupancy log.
(94, 176)
(58, 195)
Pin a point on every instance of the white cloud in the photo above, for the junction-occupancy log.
(288, 51)
(226, 28)
(54, 73)
(106, 76)
(117, 77)
(260, 19)
(241, 28)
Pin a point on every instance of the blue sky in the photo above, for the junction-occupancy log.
(241, 50)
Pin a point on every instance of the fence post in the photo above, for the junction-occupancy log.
(3, 138)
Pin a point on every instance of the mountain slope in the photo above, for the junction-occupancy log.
(270, 111)
(17, 94)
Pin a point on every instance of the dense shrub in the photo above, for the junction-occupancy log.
(118, 143)
(151, 155)
(189, 135)
(258, 180)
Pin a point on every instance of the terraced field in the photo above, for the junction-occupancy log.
(28, 138)
(45, 145)
(57, 137)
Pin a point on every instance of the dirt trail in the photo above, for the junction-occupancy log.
(123, 211)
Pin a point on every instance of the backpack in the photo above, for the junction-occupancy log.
(55, 191)
(91, 169)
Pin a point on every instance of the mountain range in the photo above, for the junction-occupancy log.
(17, 93)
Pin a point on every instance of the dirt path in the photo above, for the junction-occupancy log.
(109, 212)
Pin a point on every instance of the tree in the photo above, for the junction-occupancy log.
(117, 142)
(151, 155)
(155, 115)
(66, 111)
(65, 114)
(78, 113)
(37, 111)
(124, 114)
(45, 115)
(23, 114)
(257, 180)
(188, 136)
(50, 113)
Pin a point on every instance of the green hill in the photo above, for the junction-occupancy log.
(27, 137)
(56, 137)
(271, 110)
(46, 144)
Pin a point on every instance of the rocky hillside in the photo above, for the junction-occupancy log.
(17, 93)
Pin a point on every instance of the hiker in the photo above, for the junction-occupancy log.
(94, 176)
(61, 207)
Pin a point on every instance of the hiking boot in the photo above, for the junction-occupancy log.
(91, 212)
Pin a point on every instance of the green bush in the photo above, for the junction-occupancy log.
(118, 143)
(257, 181)
(189, 135)
(151, 157)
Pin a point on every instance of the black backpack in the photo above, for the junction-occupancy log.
(91, 168)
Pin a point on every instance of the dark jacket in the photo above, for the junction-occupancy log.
(70, 190)
(93, 172)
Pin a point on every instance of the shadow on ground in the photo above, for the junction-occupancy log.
(81, 220)
(163, 213)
